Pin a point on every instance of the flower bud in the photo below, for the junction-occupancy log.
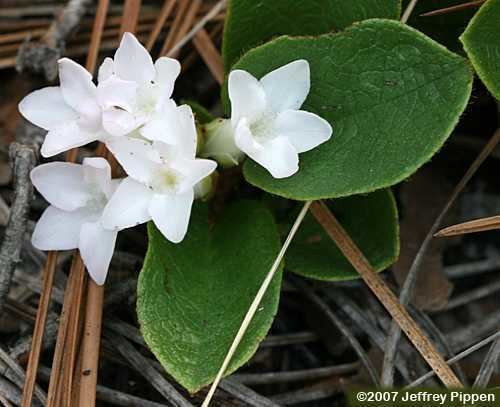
(219, 143)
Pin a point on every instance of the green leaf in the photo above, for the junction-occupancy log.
(392, 95)
(193, 296)
(251, 22)
(371, 221)
(481, 41)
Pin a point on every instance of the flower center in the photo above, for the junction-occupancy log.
(167, 180)
(263, 127)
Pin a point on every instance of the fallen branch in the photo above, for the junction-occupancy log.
(42, 56)
(23, 158)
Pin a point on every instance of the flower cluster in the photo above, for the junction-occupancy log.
(156, 142)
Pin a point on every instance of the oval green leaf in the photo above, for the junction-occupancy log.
(481, 42)
(193, 296)
(252, 22)
(392, 95)
(371, 221)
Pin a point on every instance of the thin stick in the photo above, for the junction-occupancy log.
(97, 30)
(19, 374)
(456, 358)
(87, 381)
(41, 319)
(255, 304)
(182, 6)
(130, 16)
(210, 55)
(351, 251)
(472, 226)
(344, 330)
(90, 347)
(72, 336)
(409, 283)
(168, 5)
(187, 22)
(72, 287)
(488, 366)
(198, 26)
(408, 11)
(458, 7)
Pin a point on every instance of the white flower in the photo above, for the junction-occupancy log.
(267, 122)
(161, 181)
(134, 92)
(70, 112)
(77, 194)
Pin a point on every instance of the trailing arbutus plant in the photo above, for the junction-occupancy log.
(325, 100)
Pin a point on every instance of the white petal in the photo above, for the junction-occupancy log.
(167, 71)
(62, 185)
(164, 125)
(171, 214)
(118, 122)
(278, 155)
(96, 246)
(46, 108)
(128, 206)
(134, 156)
(132, 61)
(96, 170)
(66, 136)
(247, 96)
(187, 134)
(117, 92)
(287, 87)
(106, 69)
(78, 89)
(194, 171)
(58, 230)
(304, 130)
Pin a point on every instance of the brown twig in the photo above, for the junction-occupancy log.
(472, 226)
(182, 7)
(97, 32)
(209, 54)
(337, 233)
(451, 9)
(91, 344)
(87, 379)
(214, 12)
(409, 283)
(38, 331)
(165, 11)
(130, 16)
(73, 289)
